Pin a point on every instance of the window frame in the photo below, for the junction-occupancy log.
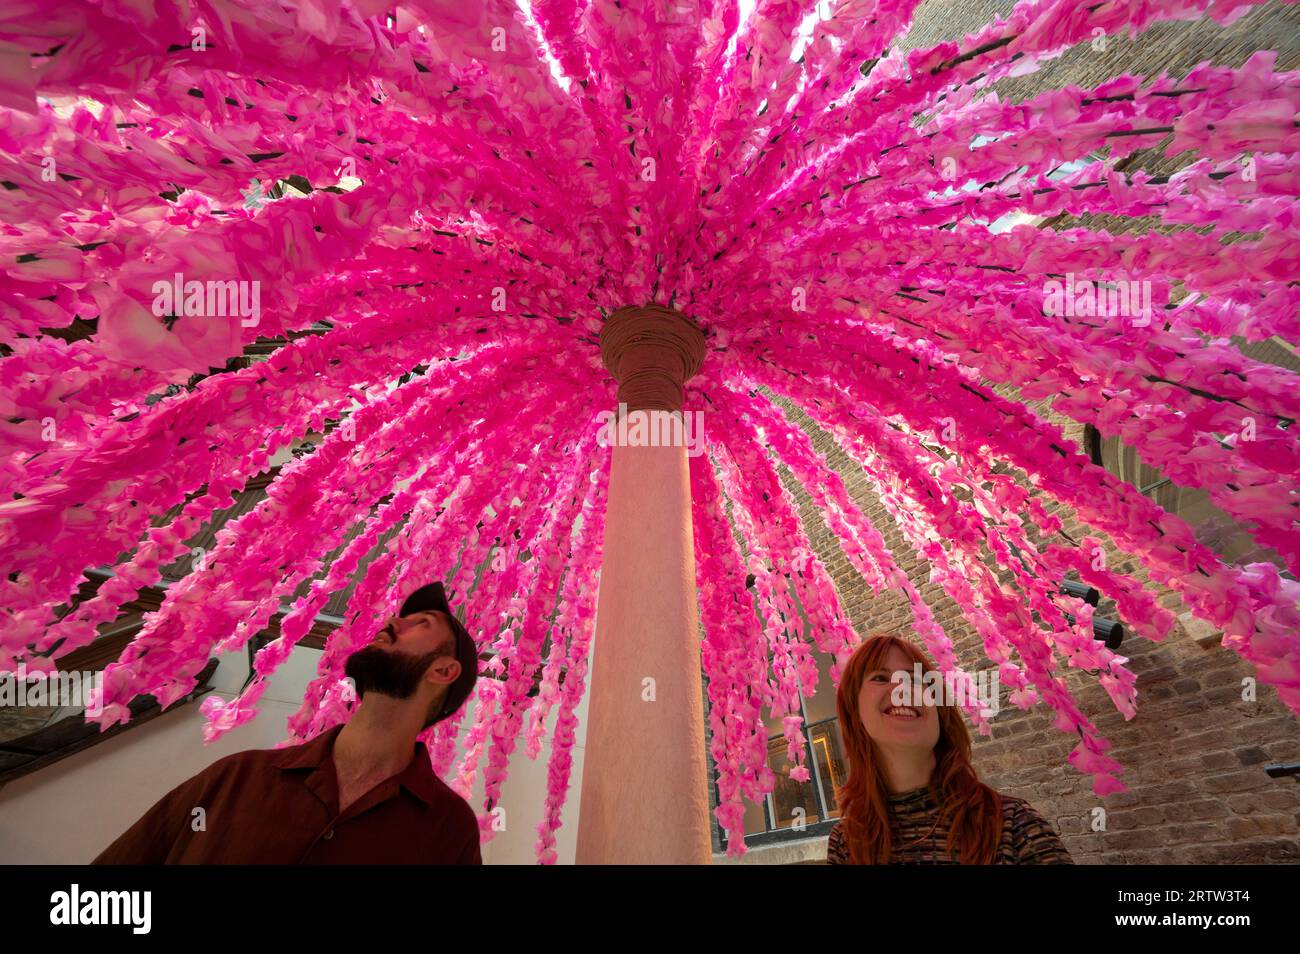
(774, 836)
(1092, 440)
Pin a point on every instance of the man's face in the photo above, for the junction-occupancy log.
(407, 651)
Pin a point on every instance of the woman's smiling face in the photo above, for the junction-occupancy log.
(912, 726)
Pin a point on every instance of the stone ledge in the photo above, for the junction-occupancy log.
(808, 851)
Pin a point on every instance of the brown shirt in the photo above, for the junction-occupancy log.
(918, 838)
(280, 806)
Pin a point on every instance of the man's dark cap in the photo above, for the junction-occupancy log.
(432, 596)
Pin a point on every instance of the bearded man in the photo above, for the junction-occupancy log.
(360, 793)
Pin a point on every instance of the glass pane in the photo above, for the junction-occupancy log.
(788, 795)
(1212, 526)
(829, 753)
(1218, 531)
(755, 818)
(821, 705)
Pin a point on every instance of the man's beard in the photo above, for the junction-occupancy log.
(395, 673)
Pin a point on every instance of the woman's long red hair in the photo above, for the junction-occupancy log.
(971, 808)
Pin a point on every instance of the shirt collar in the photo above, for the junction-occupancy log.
(417, 778)
(308, 754)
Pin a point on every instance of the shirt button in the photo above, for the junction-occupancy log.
(329, 834)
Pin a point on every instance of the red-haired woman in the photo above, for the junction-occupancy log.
(912, 796)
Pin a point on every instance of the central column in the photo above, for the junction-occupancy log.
(644, 790)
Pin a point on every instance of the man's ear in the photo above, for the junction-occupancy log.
(443, 671)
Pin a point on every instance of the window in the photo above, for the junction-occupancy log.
(1213, 527)
(796, 810)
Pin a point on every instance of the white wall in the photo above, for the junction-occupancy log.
(66, 813)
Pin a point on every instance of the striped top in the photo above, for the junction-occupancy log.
(1027, 838)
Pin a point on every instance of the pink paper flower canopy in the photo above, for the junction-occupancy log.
(465, 189)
